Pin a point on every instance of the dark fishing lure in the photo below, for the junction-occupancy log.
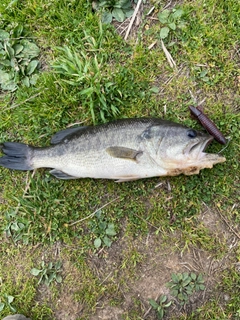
(208, 124)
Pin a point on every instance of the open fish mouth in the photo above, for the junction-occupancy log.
(201, 159)
(197, 149)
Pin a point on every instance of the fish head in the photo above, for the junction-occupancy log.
(182, 150)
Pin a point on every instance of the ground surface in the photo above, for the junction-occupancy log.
(161, 226)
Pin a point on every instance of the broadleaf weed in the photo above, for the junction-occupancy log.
(18, 63)
(48, 272)
(160, 306)
(171, 20)
(103, 230)
(114, 9)
(6, 302)
(182, 285)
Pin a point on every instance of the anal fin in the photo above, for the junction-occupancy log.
(61, 175)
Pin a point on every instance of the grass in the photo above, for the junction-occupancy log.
(157, 230)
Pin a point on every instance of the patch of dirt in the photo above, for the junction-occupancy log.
(137, 270)
(66, 307)
(149, 276)
(108, 313)
(219, 227)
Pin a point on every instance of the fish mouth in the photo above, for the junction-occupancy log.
(197, 149)
(197, 153)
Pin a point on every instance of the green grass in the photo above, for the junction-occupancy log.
(154, 226)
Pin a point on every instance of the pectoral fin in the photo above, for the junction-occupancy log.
(124, 153)
(61, 175)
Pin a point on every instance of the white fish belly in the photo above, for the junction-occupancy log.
(107, 167)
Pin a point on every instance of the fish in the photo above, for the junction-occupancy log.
(208, 124)
(122, 150)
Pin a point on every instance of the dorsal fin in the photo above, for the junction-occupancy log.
(63, 134)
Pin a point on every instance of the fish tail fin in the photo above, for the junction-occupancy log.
(17, 156)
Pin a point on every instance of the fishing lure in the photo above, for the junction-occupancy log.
(208, 124)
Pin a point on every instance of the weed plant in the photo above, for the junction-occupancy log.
(103, 230)
(6, 303)
(183, 285)
(96, 91)
(48, 272)
(161, 306)
(171, 19)
(100, 88)
(18, 63)
(114, 9)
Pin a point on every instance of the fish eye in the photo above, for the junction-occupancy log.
(192, 133)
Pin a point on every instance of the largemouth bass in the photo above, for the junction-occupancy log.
(127, 149)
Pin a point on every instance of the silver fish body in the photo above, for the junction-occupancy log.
(127, 149)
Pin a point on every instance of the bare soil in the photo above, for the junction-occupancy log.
(146, 279)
